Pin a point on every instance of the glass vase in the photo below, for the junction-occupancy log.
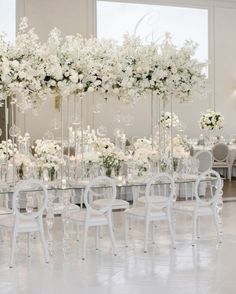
(52, 174)
(20, 172)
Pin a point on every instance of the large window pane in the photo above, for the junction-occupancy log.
(8, 18)
(151, 22)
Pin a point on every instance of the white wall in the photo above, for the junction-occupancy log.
(72, 16)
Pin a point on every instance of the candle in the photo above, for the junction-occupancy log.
(63, 183)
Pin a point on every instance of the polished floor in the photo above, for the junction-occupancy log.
(207, 268)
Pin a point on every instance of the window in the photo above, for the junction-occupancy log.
(151, 22)
(8, 19)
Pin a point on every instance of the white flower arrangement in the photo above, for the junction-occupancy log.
(22, 160)
(180, 148)
(211, 120)
(165, 120)
(30, 71)
(143, 155)
(7, 149)
(89, 157)
(48, 154)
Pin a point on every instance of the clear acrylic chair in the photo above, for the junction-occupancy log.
(203, 205)
(157, 206)
(29, 220)
(4, 207)
(97, 216)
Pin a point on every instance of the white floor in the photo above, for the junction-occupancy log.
(207, 268)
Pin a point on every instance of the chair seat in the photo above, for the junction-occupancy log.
(141, 212)
(4, 211)
(8, 222)
(189, 207)
(154, 199)
(94, 218)
(117, 203)
(220, 164)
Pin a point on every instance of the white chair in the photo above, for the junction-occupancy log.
(93, 216)
(27, 222)
(220, 153)
(203, 205)
(205, 160)
(4, 209)
(157, 207)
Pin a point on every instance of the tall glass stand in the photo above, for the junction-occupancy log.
(6, 132)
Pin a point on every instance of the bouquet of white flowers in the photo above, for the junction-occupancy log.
(48, 155)
(22, 163)
(165, 120)
(7, 149)
(211, 120)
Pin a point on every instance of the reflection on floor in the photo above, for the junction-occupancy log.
(230, 188)
(207, 268)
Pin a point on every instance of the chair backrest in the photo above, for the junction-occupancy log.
(220, 152)
(205, 160)
(165, 186)
(213, 188)
(101, 187)
(28, 186)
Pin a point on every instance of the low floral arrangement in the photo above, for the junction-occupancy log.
(110, 156)
(165, 120)
(211, 120)
(22, 162)
(7, 149)
(48, 155)
(144, 155)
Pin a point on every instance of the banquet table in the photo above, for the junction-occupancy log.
(126, 189)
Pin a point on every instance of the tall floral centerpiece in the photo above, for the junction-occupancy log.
(168, 120)
(211, 120)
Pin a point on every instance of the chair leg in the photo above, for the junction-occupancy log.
(77, 233)
(101, 232)
(126, 230)
(1, 236)
(172, 234)
(97, 237)
(29, 244)
(186, 191)
(198, 228)
(229, 174)
(153, 232)
(217, 226)
(112, 235)
(13, 247)
(44, 244)
(194, 233)
(146, 235)
(85, 240)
